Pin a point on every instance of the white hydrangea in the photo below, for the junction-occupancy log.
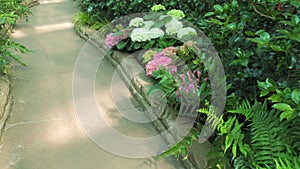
(156, 33)
(136, 22)
(143, 35)
(172, 30)
(140, 35)
(186, 31)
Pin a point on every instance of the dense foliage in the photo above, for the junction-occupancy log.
(10, 11)
(258, 42)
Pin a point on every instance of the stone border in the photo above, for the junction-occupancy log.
(139, 87)
(5, 103)
(31, 3)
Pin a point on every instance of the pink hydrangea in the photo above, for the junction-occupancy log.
(112, 40)
(160, 59)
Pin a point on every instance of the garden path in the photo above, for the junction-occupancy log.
(43, 132)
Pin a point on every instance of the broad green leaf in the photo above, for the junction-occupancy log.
(121, 45)
(218, 8)
(265, 36)
(296, 96)
(275, 98)
(263, 93)
(286, 115)
(295, 19)
(235, 3)
(282, 107)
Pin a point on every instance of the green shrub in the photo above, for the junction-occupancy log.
(10, 11)
(255, 39)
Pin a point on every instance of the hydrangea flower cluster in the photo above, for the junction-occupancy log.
(186, 47)
(143, 35)
(158, 7)
(136, 22)
(112, 40)
(176, 13)
(188, 31)
(170, 50)
(160, 59)
(148, 55)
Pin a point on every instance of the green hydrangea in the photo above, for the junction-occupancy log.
(148, 55)
(158, 7)
(136, 22)
(176, 13)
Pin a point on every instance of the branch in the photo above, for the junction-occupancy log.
(260, 12)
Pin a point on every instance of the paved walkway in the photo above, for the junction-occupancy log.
(43, 132)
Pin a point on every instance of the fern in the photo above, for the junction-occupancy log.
(287, 163)
(269, 138)
(266, 137)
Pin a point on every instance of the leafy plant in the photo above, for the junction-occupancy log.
(283, 98)
(261, 138)
(10, 11)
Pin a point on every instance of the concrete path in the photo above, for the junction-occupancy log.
(43, 132)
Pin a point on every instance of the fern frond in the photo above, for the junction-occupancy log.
(267, 137)
(212, 118)
(244, 109)
(286, 163)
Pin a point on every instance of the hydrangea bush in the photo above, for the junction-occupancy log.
(165, 39)
(153, 30)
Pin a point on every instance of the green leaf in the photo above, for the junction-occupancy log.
(218, 8)
(231, 26)
(277, 48)
(216, 21)
(286, 115)
(121, 45)
(285, 32)
(249, 33)
(256, 40)
(119, 33)
(282, 107)
(263, 93)
(235, 3)
(296, 96)
(275, 98)
(265, 36)
(209, 14)
(295, 19)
